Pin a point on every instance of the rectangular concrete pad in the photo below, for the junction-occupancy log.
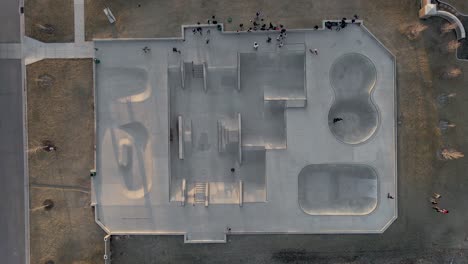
(133, 103)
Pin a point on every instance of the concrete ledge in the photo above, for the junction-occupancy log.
(205, 237)
(429, 10)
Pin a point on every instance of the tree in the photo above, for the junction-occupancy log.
(412, 32)
(450, 154)
(451, 73)
(45, 81)
(447, 27)
(46, 28)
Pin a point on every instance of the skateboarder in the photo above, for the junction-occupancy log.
(255, 45)
(337, 119)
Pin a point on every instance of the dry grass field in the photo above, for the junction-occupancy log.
(49, 20)
(60, 110)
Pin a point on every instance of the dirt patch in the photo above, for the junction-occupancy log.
(61, 115)
(49, 20)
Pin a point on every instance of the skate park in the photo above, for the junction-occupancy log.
(206, 136)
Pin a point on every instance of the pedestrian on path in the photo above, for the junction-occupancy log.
(435, 198)
(316, 53)
(255, 45)
(268, 40)
(390, 196)
(442, 211)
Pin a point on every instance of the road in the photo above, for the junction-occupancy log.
(12, 218)
(12, 208)
(10, 26)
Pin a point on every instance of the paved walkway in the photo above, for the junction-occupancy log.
(79, 21)
(35, 50)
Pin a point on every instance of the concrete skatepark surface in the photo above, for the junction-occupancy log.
(212, 140)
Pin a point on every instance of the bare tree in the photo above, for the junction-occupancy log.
(48, 204)
(46, 28)
(443, 99)
(450, 154)
(447, 27)
(453, 45)
(444, 125)
(45, 81)
(412, 32)
(46, 145)
(451, 72)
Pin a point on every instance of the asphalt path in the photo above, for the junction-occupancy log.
(10, 21)
(12, 206)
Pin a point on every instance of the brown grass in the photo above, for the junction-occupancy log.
(57, 13)
(63, 114)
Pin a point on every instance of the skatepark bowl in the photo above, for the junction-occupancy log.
(353, 77)
(337, 189)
